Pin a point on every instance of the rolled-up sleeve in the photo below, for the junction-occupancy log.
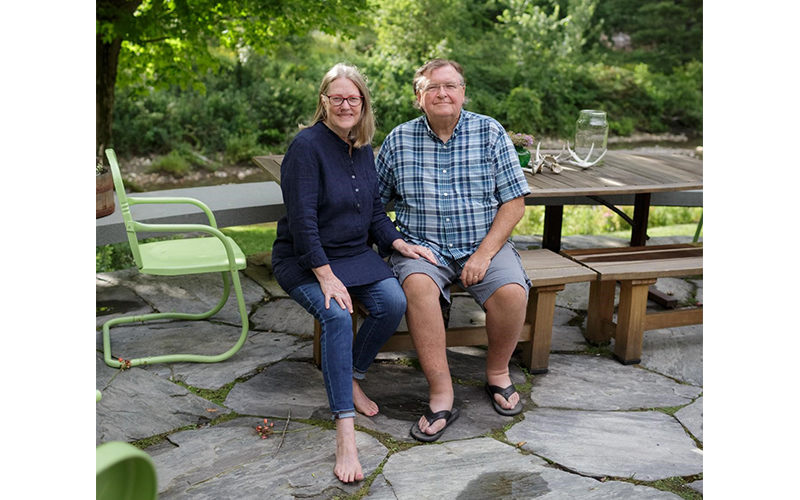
(300, 186)
(510, 180)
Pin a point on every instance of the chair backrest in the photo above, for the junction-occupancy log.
(124, 207)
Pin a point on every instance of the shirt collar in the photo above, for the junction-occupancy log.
(433, 135)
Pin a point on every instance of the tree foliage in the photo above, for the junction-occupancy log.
(240, 84)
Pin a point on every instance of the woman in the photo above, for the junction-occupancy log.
(321, 256)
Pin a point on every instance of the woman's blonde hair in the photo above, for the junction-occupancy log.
(362, 133)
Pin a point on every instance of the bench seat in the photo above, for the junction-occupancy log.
(635, 268)
(548, 272)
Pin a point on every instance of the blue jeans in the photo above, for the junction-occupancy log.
(343, 359)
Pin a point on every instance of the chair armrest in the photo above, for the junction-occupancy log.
(175, 201)
(189, 228)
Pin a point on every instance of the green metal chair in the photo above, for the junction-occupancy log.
(697, 231)
(197, 255)
(124, 472)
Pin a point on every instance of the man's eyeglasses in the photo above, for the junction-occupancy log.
(338, 100)
(434, 87)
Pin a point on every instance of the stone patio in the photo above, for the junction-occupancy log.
(591, 427)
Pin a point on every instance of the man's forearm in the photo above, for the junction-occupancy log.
(508, 215)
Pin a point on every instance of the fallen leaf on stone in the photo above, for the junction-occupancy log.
(521, 444)
(211, 410)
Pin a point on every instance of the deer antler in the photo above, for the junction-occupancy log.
(583, 163)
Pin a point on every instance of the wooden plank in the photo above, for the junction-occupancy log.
(539, 314)
(672, 319)
(600, 310)
(660, 269)
(630, 322)
(578, 253)
(561, 276)
(679, 253)
(271, 165)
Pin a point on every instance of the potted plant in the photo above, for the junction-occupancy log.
(521, 142)
(105, 188)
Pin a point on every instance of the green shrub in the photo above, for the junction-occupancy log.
(174, 164)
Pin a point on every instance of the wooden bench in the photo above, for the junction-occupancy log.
(548, 272)
(636, 268)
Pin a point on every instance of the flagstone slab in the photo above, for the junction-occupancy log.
(200, 337)
(230, 461)
(285, 316)
(599, 383)
(692, 418)
(136, 404)
(113, 300)
(401, 393)
(646, 445)
(196, 293)
(486, 469)
(283, 387)
(675, 352)
(696, 486)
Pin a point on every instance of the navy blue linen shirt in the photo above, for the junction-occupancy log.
(332, 206)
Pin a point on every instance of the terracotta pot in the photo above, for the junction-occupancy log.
(105, 194)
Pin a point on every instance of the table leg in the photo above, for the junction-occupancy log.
(601, 310)
(641, 212)
(553, 216)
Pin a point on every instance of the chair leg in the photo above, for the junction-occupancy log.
(630, 321)
(188, 358)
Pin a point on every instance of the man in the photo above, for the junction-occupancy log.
(458, 190)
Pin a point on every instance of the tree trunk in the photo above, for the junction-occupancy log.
(106, 77)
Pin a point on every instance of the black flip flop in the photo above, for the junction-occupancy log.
(506, 393)
(450, 417)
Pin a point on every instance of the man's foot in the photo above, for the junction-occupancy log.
(448, 417)
(363, 404)
(347, 468)
(502, 382)
(437, 404)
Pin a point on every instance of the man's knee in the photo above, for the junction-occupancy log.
(420, 287)
(508, 297)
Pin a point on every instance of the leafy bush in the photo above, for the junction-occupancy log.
(174, 164)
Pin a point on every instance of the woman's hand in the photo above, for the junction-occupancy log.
(414, 251)
(333, 288)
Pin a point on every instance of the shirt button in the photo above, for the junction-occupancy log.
(353, 176)
(445, 194)
(451, 244)
(445, 170)
(447, 219)
(356, 190)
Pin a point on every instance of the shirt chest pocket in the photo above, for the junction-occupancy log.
(476, 178)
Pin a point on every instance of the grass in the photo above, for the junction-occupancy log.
(578, 219)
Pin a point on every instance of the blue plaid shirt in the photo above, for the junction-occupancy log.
(446, 195)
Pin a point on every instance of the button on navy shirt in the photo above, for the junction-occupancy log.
(332, 206)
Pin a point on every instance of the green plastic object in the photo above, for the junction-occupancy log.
(697, 231)
(125, 472)
(215, 254)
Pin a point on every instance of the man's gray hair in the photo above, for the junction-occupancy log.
(422, 74)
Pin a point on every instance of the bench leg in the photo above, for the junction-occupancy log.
(541, 307)
(601, 310)
(630, 320)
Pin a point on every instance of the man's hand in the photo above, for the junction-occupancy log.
(475, 269)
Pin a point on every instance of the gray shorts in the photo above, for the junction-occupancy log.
(506, 267)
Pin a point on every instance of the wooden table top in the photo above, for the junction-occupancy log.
(624, 172)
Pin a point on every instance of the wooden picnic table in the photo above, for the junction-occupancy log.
(624, 173)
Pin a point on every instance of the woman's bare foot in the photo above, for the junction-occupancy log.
(363, 404)
(347, 468)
